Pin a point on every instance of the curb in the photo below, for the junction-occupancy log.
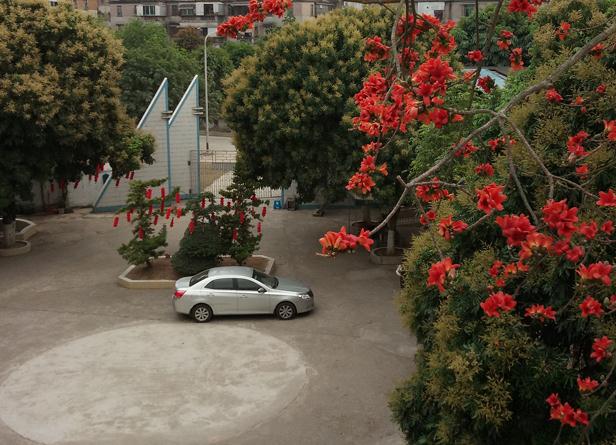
(386, 260)
(21, 248)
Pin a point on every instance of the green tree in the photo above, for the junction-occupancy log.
(150, 56)
(141, 207)
(60, 110)
(484, 380)
(238, 51)
(219, 66)
(286, 104)
(518, 24)
(189, 38)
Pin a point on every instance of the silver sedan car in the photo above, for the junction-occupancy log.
(239, 290)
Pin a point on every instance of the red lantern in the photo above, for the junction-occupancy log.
(259, 228)
(229, 204)
(126, 175)
(150, 209)
(76, 184)
(148, 194)
(263, 211)
(131, 176)
(178, 213)
(234, 234)
(202, 203)
(97, 169)
(128, 215)
(168, 214)
(162, 193)
(62, 184)
(222, 201)
(253, 197)
(162, 206)
(117, 182)
(241, 217)
(116, 221)
(171, 223)
(191, 226)
(177, 197)
(140, 233)
(155, 219)
(96, 177)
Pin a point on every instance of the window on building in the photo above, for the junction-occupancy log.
(119, 10)
(208, 9)
(174, 10)
(468, 10)
(438, 13)
(149, 10)
(238, 10)
(187, 10)
(85, 4)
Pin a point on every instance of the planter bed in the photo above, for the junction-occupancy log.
(162, 276)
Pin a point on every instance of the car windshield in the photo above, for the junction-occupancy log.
(199, 277)
(265, 279)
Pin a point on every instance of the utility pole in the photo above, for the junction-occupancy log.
(207, 115)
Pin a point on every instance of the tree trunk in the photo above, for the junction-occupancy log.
(391, 235)
(8, 230)
(365, 211)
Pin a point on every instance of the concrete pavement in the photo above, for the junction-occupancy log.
(83, 361)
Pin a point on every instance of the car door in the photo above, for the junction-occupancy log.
(221, 295)
(250, 300)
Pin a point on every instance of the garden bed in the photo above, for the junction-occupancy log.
(162, 276)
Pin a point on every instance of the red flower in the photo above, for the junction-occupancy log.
(590, 306)
(427, 217)
(596, 271)
(440, 271)
(523, 6)
(376, 50)
(515, 228)
(485, 169)
(552, 95)
(557, 215)
(587, 384)
(486, 83)
(563, 30)
(490, 198)
(515, 58)
(597, 50)
(447, 227)
(535, 241)
(553, 400)
(607, 199)
(574, 145)
(495, 268)
(457, 118)
(599, 348)
(498, 301)
(567, 415)
(505, 34)
(468, 149)
(362, 182)
(372, 147)
(575, 254)
(610, 129)
(541, 312)
(433, 192)
(439, 117)
(589, 230)
(601, 88)
(582, 170)
(607, 227)
(475, 56)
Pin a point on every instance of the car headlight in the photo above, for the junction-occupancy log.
(305, 296)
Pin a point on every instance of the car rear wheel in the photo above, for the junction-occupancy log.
(286, 310)
(201, 313)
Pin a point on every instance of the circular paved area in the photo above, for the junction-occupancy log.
(207, 382)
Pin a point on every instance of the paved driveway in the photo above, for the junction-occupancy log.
(83, 361)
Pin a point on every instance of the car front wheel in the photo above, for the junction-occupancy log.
(201, 313)
(286, 311)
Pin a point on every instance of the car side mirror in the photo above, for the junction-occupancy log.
(261, 290)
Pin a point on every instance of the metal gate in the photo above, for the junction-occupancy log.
(216, 172)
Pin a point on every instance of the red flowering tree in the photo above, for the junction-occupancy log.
(510, 287)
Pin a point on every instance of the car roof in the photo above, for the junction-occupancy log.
(241, 271)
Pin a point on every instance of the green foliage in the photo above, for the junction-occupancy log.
(237, 51)
(466, 37)
(146, 244)
(189, 38)
(150, 56)
(286, 104)
(484, 380)
(60, 109)
(214, 224)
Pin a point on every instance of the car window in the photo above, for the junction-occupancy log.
(243, 284)
(265, 279)
(221, 283)
(199, 277)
